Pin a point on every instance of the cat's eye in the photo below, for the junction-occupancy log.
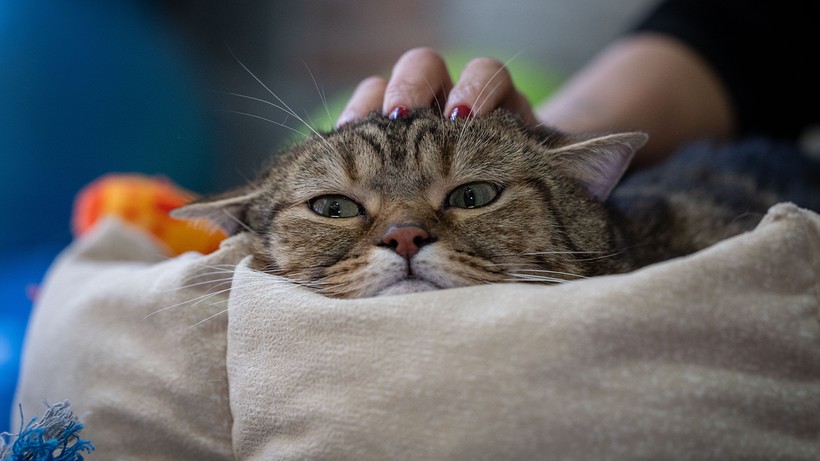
(335, 206)
(473, 195)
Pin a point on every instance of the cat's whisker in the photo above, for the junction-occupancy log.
(287, 279)
(250, 287)
(281, 105)
(193, 302)
(598, 258)
(224, 266)
(284, 105)
(535, 278)
(315, 284)
(436, 95)
(549, 253)
(263, 101)
(328, 288)
(238, 221)
(222, 312)
(470, 120)
(223, 285)
(322, 95)
(489, 93)
(204, 279)
(215, 282)
(336, 292)
(258, 117)
(210, 271)
(544, 253)
(269, 269)
(528, 271)
(163, 309)
(278, 285)
(214, 269)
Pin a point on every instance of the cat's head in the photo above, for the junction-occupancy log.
(393, 206)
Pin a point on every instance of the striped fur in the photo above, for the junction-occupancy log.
(548, 223)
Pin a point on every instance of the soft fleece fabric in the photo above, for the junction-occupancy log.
(712, 356)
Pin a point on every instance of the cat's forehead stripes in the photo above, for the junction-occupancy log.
(424, 148)
(422, 157)
(390, 154)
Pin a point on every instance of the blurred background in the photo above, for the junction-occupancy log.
(89, 87)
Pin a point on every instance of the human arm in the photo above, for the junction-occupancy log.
(646, 82)
(700, 69)
(642, 82)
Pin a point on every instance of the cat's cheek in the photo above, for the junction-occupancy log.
(299, 238)
(277, 252)
(447, 269)
(381, 270)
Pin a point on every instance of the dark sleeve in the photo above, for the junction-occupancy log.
(765, 52)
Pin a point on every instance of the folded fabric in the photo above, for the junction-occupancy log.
(712, 356)
(136, 341)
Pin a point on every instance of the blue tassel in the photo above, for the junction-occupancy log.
(54, 438)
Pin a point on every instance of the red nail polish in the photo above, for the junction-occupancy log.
(399, 112)
(460, 111)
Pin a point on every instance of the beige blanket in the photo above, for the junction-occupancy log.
(713, 356)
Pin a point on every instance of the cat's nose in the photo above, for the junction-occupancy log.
(406, 240)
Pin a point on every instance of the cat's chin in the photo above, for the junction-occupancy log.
(407, 286)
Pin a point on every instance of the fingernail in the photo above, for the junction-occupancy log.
(460, 111)
(398, 112)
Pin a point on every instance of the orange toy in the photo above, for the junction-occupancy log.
(144, 202)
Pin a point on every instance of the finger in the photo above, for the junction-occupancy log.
(366, 98)
(521, 106)
(484, 85)
(419, 79)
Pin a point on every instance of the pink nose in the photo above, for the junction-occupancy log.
(406, 240)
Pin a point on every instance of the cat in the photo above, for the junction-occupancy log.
(384, 206)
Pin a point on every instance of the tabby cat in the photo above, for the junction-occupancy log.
(384, 206)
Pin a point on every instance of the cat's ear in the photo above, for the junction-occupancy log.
(598, 163)
(225, 211)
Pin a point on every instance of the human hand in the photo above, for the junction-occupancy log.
(420, 79)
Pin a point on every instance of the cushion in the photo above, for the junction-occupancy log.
(711, 356)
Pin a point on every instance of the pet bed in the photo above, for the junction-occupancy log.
(711, 356)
